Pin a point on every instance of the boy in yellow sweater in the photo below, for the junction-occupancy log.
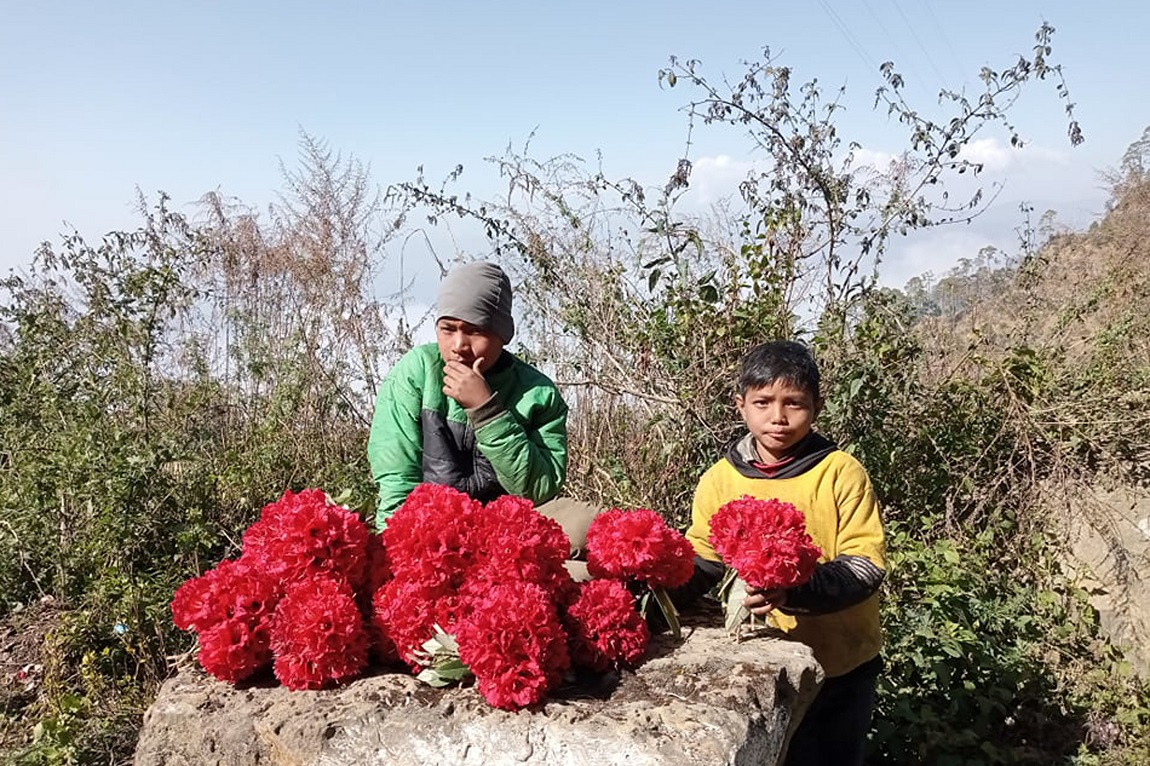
(836, 611)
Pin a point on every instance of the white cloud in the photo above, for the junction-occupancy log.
(716, 178)
(880, 161)
(938, 250)
(992, 154)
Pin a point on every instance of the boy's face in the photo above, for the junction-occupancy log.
(464, 342)
(778, 416)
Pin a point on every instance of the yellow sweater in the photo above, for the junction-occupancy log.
(842, 518)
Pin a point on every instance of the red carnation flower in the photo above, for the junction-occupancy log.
(638, 545)
(405, 613)
(231, 591)
(431, 538)
(605, 629)
(514, 645)
(196, 605)
(234, 650)
(765, 541)
(317, 636)
(519, 543)
(302, 536)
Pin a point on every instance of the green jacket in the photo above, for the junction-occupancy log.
(515, 443)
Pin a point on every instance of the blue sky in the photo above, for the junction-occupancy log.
(97, 99)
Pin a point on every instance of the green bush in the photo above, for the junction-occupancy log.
(981, 652)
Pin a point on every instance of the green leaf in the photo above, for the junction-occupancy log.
(856, 386)
(342, 497)
(454, 670)
(663, 599)
(431, 678)
(736, 613)
(441, 677)
(653, 279)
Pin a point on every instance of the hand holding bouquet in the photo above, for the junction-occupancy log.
(765, 544)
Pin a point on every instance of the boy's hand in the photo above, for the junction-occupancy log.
(762, 602)
(465, 384)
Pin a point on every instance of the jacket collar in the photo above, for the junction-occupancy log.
(805, 455)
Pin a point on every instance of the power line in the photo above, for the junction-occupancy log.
(918, 41)
(955, 59)
(896, 49)
(849, 36)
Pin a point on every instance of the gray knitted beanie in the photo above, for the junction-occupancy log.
(479, 293)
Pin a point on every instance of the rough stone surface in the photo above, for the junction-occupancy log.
(707, 700)
(1109, 535)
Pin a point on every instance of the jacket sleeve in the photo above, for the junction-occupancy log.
(858, 568)
(709, 568)
(704, 505)
(529, 457)
(394, 445)
(706, 576)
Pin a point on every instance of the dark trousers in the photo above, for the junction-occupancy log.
(834, 729)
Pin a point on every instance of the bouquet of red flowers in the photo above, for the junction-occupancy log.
(264, 608)
(483, 591)
(230, 607)
(763, 542)
(490, 578)
(605, 629)
(452, 588)
(637, 546)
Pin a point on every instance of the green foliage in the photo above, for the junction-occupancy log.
(985, 656)
(993, 656)
(149, 409)
(643, 313)
(83, 495)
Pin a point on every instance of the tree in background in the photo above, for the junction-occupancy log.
(643, 312)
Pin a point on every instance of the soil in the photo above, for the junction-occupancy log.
(22, 639)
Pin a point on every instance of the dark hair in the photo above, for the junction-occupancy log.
(784, 360)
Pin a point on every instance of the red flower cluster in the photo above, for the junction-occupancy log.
(520, 544)
(313, 593)
(605, 629)
(432, 538)
(444, 546)
(493, 577)
(234, 590)
(233, 650)
(230, 607)
(317, 636)
(638, 545)
(514, 644)
(765, 541)
(302, 536)
(246, 611)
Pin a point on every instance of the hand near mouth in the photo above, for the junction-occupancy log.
(465, 384)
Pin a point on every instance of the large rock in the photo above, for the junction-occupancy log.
(706, 700)
(1109, 535)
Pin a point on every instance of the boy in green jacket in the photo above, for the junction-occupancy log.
(836, 612)
(465, 412)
